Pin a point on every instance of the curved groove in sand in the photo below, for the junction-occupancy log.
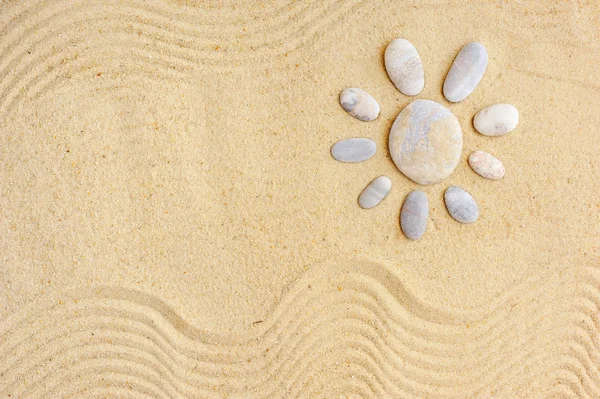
(579, 372)
(395, 343)
(148, 39)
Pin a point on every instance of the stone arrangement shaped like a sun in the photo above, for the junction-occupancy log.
(425, 141)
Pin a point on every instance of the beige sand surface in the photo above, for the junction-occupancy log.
(173, 226)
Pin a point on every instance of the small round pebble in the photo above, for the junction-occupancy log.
(414, 215)
(359, 104)
(466, 72)
(375, 192)
(404, 67)
(461, 205)
(486, 165)
(353, 150)
(496, 120)
(426, 142)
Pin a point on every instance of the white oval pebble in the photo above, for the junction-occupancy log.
(461, 205)
(414, 215)
(375, 192)
(426, 141)
(486, 165)
(359, 104)
(466, 72)
(353, 150)
(496, 120)
(404, 67)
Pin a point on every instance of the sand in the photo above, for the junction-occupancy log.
(173, 225)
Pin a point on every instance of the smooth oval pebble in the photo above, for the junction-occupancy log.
(461, 205)
(375, 192)
(414, 215)
(353, 150)
(496, 120)
(426, 141)
(359, 104)
(466, 72)
(404, 67)
(486, 165)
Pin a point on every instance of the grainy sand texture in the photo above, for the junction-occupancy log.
(172, 224)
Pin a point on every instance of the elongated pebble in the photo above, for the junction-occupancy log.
(404, 67)
(461, 205)
(353, 150)
(496, 120)
(486, 165)
(359, 104)
(375, 192)
(466, 72)
(414, 215)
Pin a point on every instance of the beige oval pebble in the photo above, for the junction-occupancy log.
(404, 67)
(359, 104)
(426, 141)
(375, 192)
(486, 165)
(496, 120)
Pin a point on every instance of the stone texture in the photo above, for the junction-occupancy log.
(496, 120)
(461, 205)
(359, 104)
(486, 165)
(426, 142)
(353, 150)
(414, 215)
(375, 192)
(404, 67)
(466, 72)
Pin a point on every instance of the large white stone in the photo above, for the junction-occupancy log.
(404, 67)
(426, 141)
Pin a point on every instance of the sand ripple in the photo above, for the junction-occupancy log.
(354, 331)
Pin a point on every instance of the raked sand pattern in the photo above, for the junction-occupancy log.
(356, 331)
(172, 226)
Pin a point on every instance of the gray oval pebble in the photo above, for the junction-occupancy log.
(461, 205)
(404, 67)
(486, 165)
(359, 104)
(496, 120)
(466, 72)
(414, 215)
(353, 150)
(375, 192)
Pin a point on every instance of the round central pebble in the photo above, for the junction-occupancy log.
(426, 142)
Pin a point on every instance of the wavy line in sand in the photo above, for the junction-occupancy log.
(377, 325)
(578, 374)
(156, 45)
